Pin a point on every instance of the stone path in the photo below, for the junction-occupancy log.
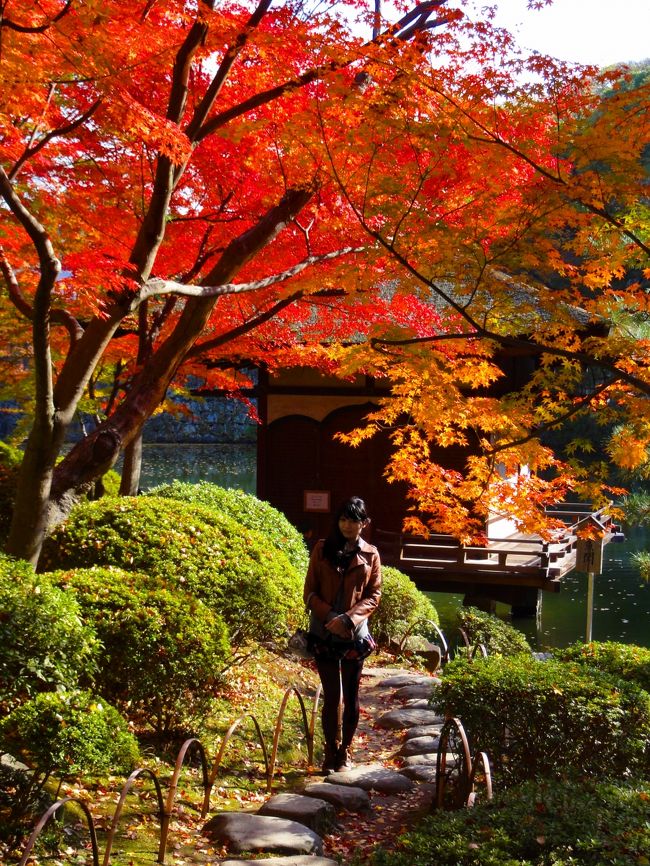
(359, 809)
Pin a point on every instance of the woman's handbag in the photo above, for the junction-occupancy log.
(331, 650)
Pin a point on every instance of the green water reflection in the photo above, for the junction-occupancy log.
(226, 465)
(621, 604)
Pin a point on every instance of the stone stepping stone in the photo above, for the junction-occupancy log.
(242, 832)
(418, 704)
(294, 860)
(419, 690)
(383, 673)
(318, 815)
(408, 717)
(340, 796)
(419, 746)
(403, 679)
(373, 777)
(428, 760)
(422, 731)
(420, 773)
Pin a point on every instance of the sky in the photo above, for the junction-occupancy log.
(602, 32)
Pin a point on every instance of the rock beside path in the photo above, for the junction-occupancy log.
(242, 832)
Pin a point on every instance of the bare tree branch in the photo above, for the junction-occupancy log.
(53, 133)
(156, 286)
(41, 28)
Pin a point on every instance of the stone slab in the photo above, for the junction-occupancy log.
(372, 777)
(396, 681)
(407, 717)
(429, 760)
(419, 746)
(386, 673)
(294, 860)
(422, 731)
(419, 690)
(418, 703)
(242, 832)
(318, 815)
(340, 796)
(420, 773)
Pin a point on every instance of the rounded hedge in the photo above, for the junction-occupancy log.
(162, 648)
(44, 643)
(548, 718)
(498, 637)
(401, 608)
(232, 569)
(561, 823)
(627, 661)
(69, 733)
(247, 510)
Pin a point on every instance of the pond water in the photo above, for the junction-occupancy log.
(226, 465)
(621, 598)
(621, 610)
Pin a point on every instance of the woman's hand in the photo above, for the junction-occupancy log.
(339, 626)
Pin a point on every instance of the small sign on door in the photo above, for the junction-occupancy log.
(317, 500)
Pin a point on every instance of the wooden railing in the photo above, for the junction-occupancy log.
(509, 558)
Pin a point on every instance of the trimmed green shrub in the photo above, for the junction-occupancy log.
(247, 510)
(547, 718)
(233, 570)
(69, 733)
(163, 649)
(401, 608)
(536, 824)
(627, 661)
(498, 637)
(44, 644)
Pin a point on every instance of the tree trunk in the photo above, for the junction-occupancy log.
(93, 456)
(132, 467)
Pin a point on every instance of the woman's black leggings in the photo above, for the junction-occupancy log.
(340, 682)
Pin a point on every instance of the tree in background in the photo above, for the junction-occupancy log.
(165, 197)
(519, 208)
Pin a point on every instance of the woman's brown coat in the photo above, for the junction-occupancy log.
(361, 584)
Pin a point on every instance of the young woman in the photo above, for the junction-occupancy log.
(342, 589)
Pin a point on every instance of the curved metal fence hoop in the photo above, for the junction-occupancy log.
(278, 730)
(173, 788)
(444, 657)
(314, 715)
(45, 818)
(481, 762)
(130, 782)
(226, 739)
(462, 764)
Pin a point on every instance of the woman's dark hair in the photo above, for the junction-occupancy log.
(355, 509)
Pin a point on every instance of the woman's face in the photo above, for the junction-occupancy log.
(350, 529)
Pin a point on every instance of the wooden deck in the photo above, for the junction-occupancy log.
(440, 563)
